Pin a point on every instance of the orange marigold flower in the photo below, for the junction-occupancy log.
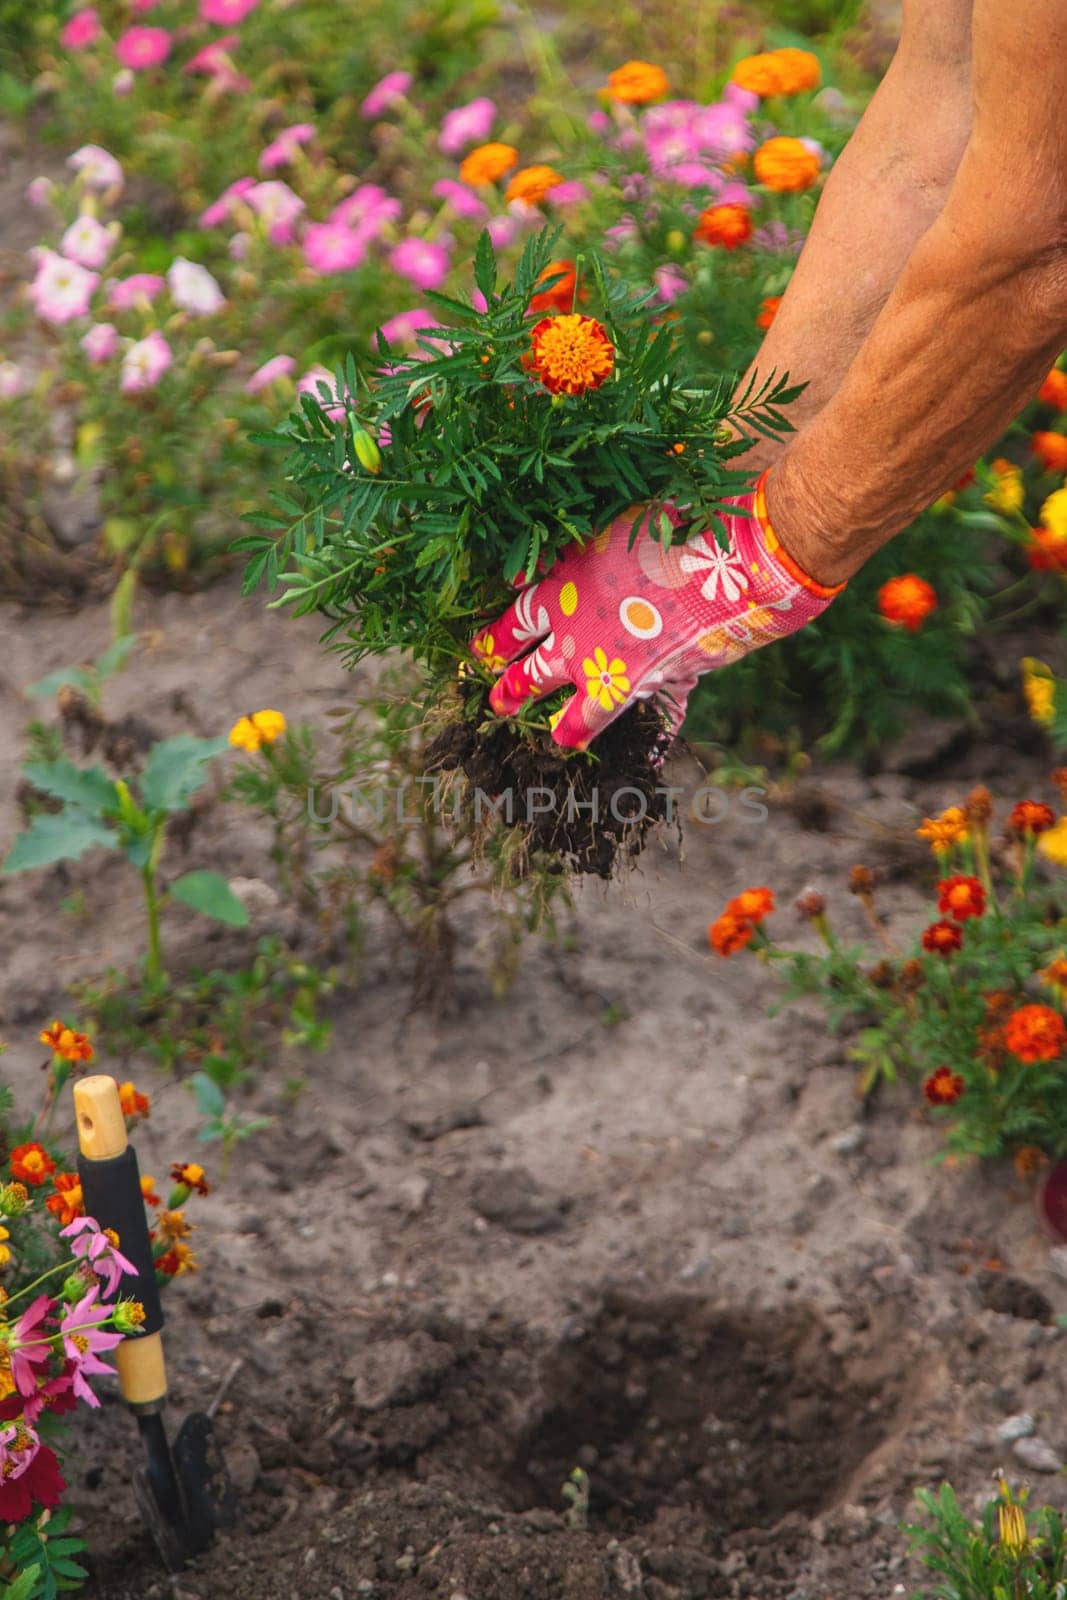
(728, 226)
(786, 165)
(751, 905)
(801, 69)
(942, 938)
(560, 297)
(148, 1191)
(31, 1163)
(1028, 1160)
(943, 1087)
(942, 832)
(133, 1102)
(768, 311)
(1053, 392)
(570, 354)
(487, 162)
(961, 897)
(68, 1202)
(906, 602)
(1031, 817)
(172, 1225)
(635, 83)
(728, 934)
(533, 184)
(190, 1175)
(177, 1260)
(1051, 450)
(1035, 1033)
(1055, 974)
(1047, 551)
(764, 74)
(66, 1043)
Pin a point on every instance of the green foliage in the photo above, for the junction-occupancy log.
(42, 1553)
(89, 680)
(995, 1558)
(210, 893)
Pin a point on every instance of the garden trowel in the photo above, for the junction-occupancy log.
(183, 1489)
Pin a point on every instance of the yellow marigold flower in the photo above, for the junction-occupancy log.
(1054, 514)
(487, 162)
(1008, 494)
(786, 165)
(1039, 687)
(533, 184)
(942, 832)
(635, 83)
(570, 354)
(5, 1253)
(252, 733)
(606, 681)
(1013, 1535)
(1053, 843)
(485, 649)
(800, 68)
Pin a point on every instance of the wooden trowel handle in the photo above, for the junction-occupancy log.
(111, 1187)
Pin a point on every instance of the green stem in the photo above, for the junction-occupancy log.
(154, 960)
(63, 1266)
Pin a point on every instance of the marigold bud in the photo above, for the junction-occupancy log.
(911, 976)
(882, 976)
(811, 904)
(128, 1316)
(14, 1199)
(861, 880)
(367, 453)
(978, 806)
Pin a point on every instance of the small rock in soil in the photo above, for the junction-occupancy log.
(515, 1200)
(850, 1142)
(1057, 1260)
(429, 1128)
(1014, 1297)
(1037, 1455)
(1019, 1427)
(411, 1195)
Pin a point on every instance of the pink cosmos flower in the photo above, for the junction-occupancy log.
(122, 293)
(671, 282)
(421, 261)
(331, 247)
(310, 384)
(405, 326)
(369, 208)
(91, 1243)
(464, 201)
(282, 150)
(82, 30)
(61, 289)
(84, 1340)
(142, 367)
(100, 343)
(192, 288)
(222, 208)
(466, 125)
(28, 1345)
(270, 372)
(86, 241)
(277, 208)
(388, 91)
(226, 13)
(96, 168)
(600, 123)
(18, 1448)
(140, 48)
(11, 383)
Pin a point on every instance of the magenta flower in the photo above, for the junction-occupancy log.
(310, 383)
(62, 289)
(100, 343)
(464, 202)
(222, 208)
(96, 168)
(421, 261)
(27, 1345)
(87, 242)
(282, 150)
(277, 208)
(369, 208)
(140, 48)
(502, 231)
(388, 91)
(571, 193)
(226, 13)
(84, 1340)
(404, 328)
(600, 123)
(82, 30)
(671, 283)
(270, 372)
(466, 125)
(331, 247)
(142, 367)
(746, 100)
(213, 60)
(140, 288)
(18, 1448)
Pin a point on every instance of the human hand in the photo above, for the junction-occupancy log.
(624, 624)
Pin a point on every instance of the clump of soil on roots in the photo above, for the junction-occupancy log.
(589, 812)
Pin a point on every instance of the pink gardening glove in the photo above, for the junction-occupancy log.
(626, 624)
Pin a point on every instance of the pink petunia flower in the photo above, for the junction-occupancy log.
(421, 261)
(87, 241)
(192, 288)
(282, 150)
(139, 287)
(466, 125)
(100, 343)
(222, 208)
(270, 372)
(405, 326)
(82, 30)
(142, 367)
(388, 91)
(277, 208)
(27, 1345)
(84, 1341)
(61, 289)
(464, 202)
(96, 168)
(11, 380)
(226, 13)
(39, 191)
(140, 48)
(331, 247)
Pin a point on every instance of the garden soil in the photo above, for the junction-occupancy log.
(619, 1218)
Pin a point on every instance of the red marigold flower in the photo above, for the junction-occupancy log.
(1035, 1033)
(751, 905)
(961, 897)
(1051, 450)
(31, 1163)
(560, 297)
(570, 354)
(68, 1202)
(66, 1043)
(768, 311)
(177, 1260)
(132, 1101)
(1047, 551)
(1031, 817)
(1053, 392)
(942, 938)
(906, 602)
(728, 934)
(148, 1191)
(728, 226)
(943, 1087)
(41, 1484)
(190, 1174)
